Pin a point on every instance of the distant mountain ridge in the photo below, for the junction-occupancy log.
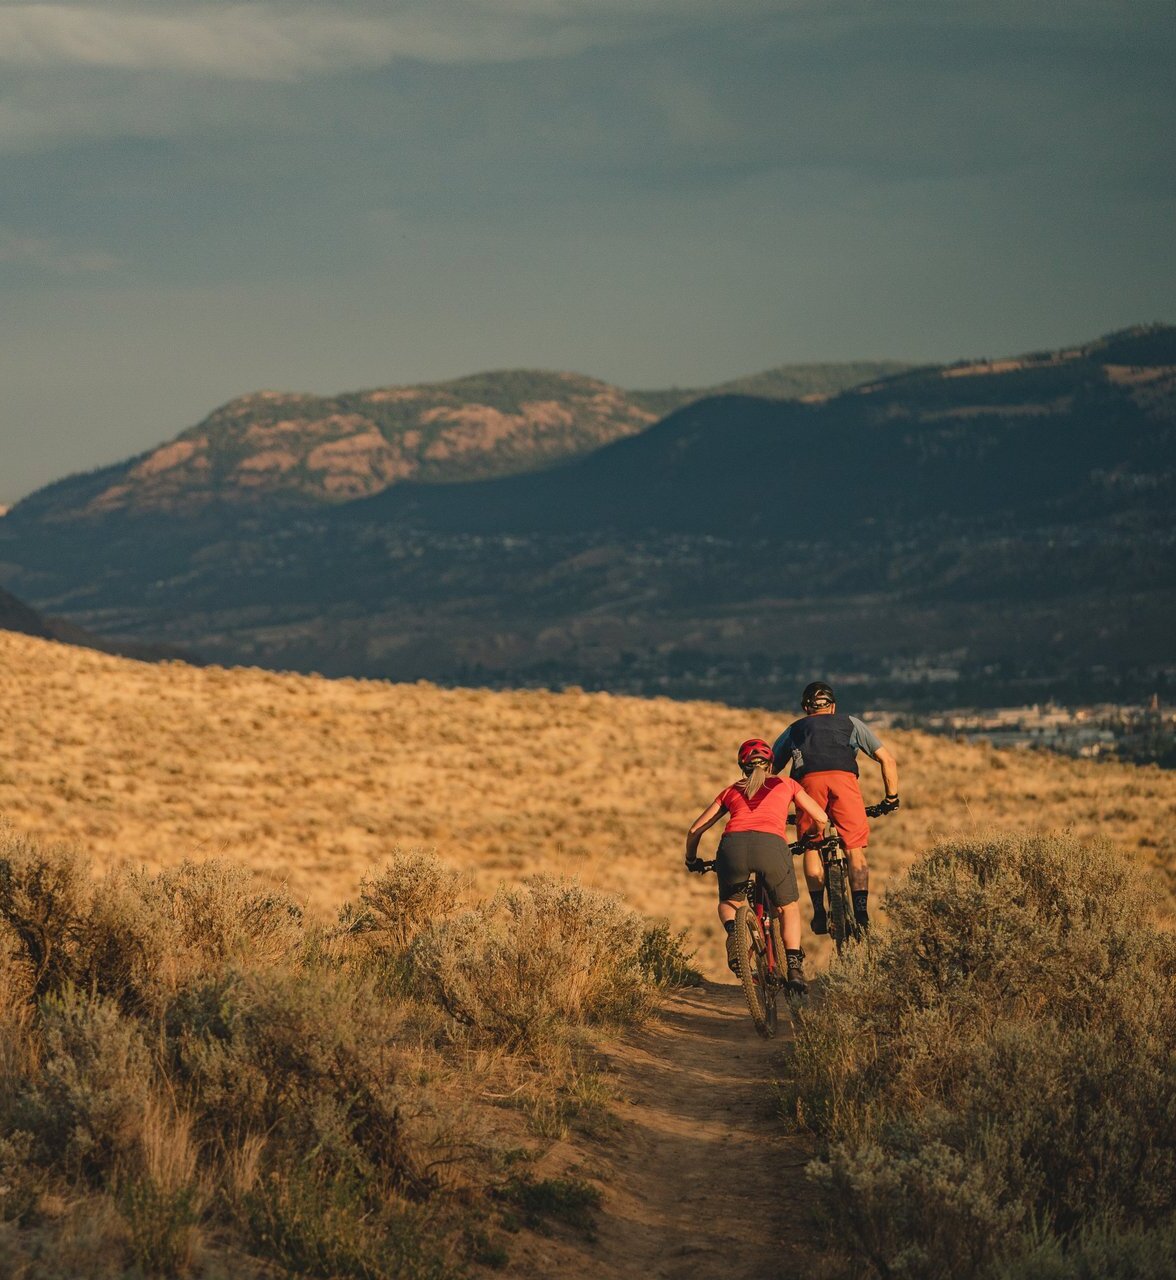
(17, 616)
(1002, 528)
(303, 450)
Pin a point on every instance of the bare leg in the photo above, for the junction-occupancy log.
(790, 925)
(814, 871)
(859, 871)
(727, 911)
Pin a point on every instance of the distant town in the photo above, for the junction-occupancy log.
(1138, 734)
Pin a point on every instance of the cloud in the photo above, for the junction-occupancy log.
(264, 42)
(272, 41)
(278, 40)
(49, 255)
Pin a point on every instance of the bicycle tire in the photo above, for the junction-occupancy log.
(768, 977)
(840, 908)
(751, 962)
(781, 971)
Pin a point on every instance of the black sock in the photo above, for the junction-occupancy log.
(729, 925)
(818, 897)
(861, 900)
(790, 954)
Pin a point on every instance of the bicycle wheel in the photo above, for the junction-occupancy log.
(751, 959)
(840, 904)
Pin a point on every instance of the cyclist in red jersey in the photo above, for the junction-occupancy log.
(756, 839)
(822, 748)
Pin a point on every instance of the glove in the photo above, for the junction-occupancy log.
(889, 804)
(694, 865)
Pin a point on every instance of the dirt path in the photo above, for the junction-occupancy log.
(704, 1179)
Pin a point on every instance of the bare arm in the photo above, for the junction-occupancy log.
(889, 766)
(804, 801)
(705, 820)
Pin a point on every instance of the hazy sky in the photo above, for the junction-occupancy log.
(201, 199)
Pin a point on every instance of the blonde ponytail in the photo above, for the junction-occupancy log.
(756, 777)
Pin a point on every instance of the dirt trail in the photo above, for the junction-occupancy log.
(704, 1179)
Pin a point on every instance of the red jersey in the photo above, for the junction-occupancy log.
(767, 810)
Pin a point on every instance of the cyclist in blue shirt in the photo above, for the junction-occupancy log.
(822, 748)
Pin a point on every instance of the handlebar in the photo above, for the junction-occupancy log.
(879, 810)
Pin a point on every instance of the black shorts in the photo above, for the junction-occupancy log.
(742, 852)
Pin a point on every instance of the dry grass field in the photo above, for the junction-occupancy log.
(312, 782)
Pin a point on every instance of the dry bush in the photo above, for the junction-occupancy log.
(85, 1101)
(132, 936)
(43, 900)
(163, 1201)
(309, 1059)
(85, 1239)
(412, 888)
(266, 1043)
(996, 1078)
(171, 1090)
(532, 960)
(318, 1223)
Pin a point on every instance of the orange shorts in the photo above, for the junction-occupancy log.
(838, 793)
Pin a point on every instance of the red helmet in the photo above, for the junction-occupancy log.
(753, 749)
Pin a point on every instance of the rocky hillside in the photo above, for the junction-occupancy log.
(992, 533)
(285, 448)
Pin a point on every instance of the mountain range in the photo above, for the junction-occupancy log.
(993, 530)
(280, 448)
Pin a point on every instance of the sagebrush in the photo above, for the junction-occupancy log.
(192, 1071)
(994, 1078)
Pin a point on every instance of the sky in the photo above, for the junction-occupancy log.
(200, 199)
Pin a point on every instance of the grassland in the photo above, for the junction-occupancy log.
(258, 1027)
(312, 783)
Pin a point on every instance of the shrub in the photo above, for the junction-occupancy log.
(310, 1060)
(413, 887)
(183, 1060)
(163, 1200)
(134, 937)
(996, 1077)
(663, 957)
(532, 960)
(43, 899)
(85, 1103)
(570, 1201)
(323, 1224)
(146, 935)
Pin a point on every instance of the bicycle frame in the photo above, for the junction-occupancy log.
(762, 971)
(760, 902)
(843, 923)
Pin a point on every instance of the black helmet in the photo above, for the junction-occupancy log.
(817, 695)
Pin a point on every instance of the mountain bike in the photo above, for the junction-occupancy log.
(843, 924)
(759, 958)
